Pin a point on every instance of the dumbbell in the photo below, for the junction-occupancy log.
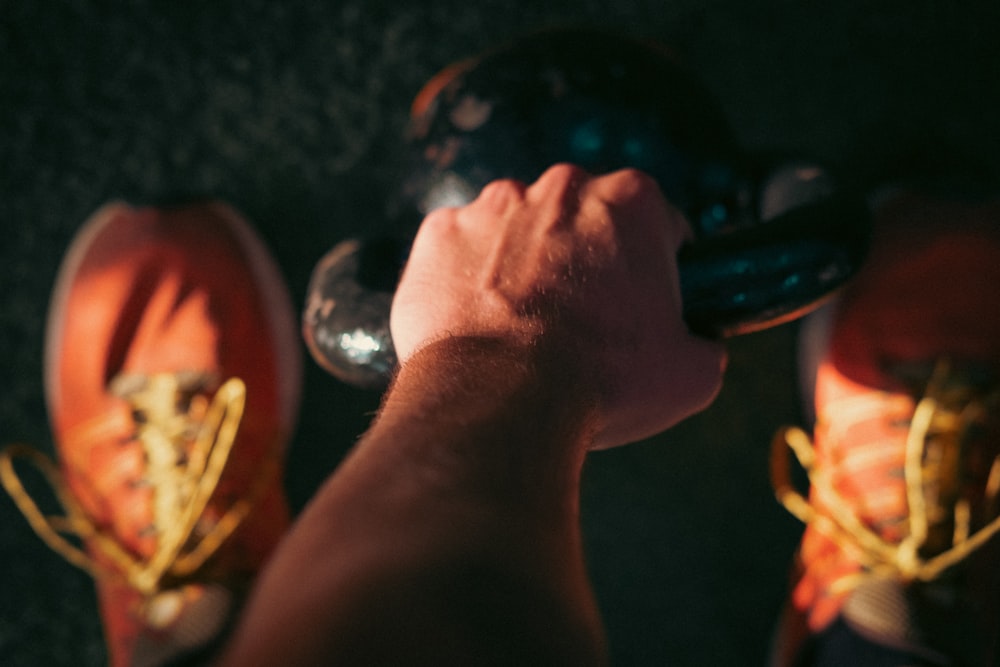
(773, 238)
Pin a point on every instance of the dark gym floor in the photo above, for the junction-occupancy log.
(293, 112)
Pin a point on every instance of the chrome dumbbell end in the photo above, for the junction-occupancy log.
(345, 322)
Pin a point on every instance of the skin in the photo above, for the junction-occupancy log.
(533, 325)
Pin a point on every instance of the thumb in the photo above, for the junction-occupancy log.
(679, 386)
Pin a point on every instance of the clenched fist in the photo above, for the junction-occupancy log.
(581, 267)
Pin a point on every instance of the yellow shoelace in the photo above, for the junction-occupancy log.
(944, 418)
(186, 441)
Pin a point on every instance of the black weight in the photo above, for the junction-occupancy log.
(769, 244)
(761, 277)
(599, 101)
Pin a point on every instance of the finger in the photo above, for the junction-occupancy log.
(707, 361)
(557, 196)
(643, 207)
(437, 226)
(624, 185)
(689, 382)
(500, 196)
(559, 179)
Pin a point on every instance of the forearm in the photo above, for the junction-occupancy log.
(451, 531)
(487, 420)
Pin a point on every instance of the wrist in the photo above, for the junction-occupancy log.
(498, 414)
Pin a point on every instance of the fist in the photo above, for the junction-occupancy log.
(581, 267)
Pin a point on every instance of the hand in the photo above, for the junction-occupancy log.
(575, 267)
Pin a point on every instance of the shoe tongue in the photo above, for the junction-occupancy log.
(928, 290)
(177, 332)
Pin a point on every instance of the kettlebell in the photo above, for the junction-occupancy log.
(773, 237)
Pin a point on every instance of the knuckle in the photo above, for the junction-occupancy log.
(437, 218)
(564, 176)
(635, 183)
(502, 190)
(438, 223)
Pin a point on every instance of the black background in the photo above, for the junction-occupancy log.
(292, 111)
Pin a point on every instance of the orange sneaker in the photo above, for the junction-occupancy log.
(172, 377)
(897, 561)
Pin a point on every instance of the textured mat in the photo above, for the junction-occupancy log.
(292, 112)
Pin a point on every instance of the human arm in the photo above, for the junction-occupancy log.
(533, 325)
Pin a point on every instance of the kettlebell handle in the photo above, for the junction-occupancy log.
(732, 284)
